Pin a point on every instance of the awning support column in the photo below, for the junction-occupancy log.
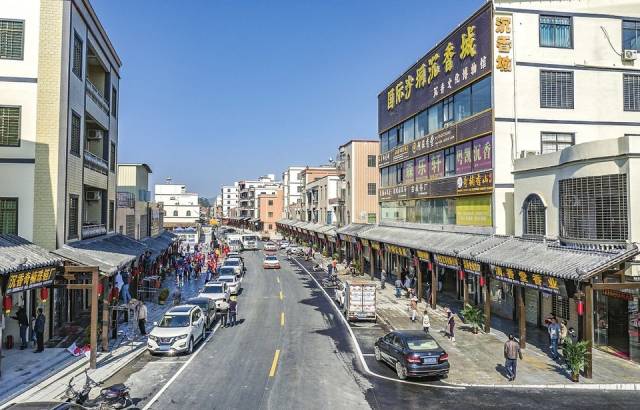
(434, 286)
(588, 330)
(522, 326)
(487, 306)
(419, 273)
(372, 265)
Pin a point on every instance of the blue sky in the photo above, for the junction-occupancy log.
(216, 91)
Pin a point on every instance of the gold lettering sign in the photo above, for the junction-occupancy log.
(423, 255)
(447, 261)
(503, 43)
(375, 245)
(19, 281)
(527, 279)
(397, 250)
(471, 266)
(364, 242)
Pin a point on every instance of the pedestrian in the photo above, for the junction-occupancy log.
(142, 318)
(452, 325)
(398, 288)
(334, 263)
(511, 353)
(383, 278)
(329, 269)
(233, 312)
(407, 285)
(572, 335)
(23, 322)
(563, 332)
(414, 307)
(426, 322)
(224, 311)
(40, 320)
(554, 336)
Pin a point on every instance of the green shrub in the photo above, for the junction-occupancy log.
(473, 316)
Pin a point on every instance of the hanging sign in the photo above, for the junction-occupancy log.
(447, 261)
(365, 242)
(375, 245)
(31, 279)
(527, 279)
(423, 256)
(471, 266)
(397, 250)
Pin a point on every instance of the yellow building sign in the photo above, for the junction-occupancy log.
(397, 250)
(423, 256)
(474, 211)
(36, 278)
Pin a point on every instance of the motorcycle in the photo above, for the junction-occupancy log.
(113, 397)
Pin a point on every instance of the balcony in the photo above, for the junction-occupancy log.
(95, 163)
(91, 231)
(96, 96)
(125, 200)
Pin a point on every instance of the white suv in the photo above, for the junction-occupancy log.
(231, 281)
(216, 291)
(179, 330)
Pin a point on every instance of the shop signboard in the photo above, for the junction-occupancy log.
(474, 183)
(423, 256)
(536, 281)
(472, 267)
(30, 279)
(365, 242)
(482, 152)
(447, 261)
(474, 210)
(397, 250)
(375, 245)
(460, 59)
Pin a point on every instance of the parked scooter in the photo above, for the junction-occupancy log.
(113, 397)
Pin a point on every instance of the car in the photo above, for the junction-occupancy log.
(231, 281)
(284, 245)
(234, 255)
(208, 306)
(295, 250)
(229, 271)
(178, 331)
(271, 262)
(216, 291)
(234, 263)
(413, 353)
(270, 247)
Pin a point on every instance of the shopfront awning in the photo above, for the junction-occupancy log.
(18, 254)
(160, 243)
(110, 253)
(353, 230)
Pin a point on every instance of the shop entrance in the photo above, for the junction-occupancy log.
(618, 320)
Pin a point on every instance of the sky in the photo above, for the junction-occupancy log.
(212, 91)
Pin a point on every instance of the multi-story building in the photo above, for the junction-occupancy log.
(321, 200)
(270, 210)
(181, 208)
(292, 189)
(358, 193)
(248, 192)
(133, 201)
(59, 79)
(229, 194)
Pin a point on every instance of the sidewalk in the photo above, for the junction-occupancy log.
(46, 375)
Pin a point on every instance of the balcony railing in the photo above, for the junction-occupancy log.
(96, 163)
(97, 97)
(91, 231)
(125, 200)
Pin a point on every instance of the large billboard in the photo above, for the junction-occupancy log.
(460, 59)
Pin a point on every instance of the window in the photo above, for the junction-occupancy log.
(408, 130)
(435, 117)
(422, 126)
(228, 202)
(555, 141)
(299, 188)
(462, 104)
(114, 102)
(555, 31)
(534, 213)
(560, 307)
(269, 214)
(481, 95)
(112, 158)
(384, 142)
(9, 126)
(130, 226)
(371, 218)
(447, 110)
(76, 66)
(450, 161)
(371, 188)
(9, 216)
(556, 89)
(270, 226)
(631, 92)
(73, 217)
(371, 161)
(384, 177)
(112, 215)
(631, 35)
(75, 134)
(11, 39)
(270, 202)
(399, 173)
(594, 208)
(188, 213)
(175, 213)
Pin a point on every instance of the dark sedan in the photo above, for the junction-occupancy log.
(208, 307)
(412, 353)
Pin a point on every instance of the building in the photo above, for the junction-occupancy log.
(584, 197)
(292, 189)
(229, 194)
(321, 200)
(270, 210)
(249, 190)
(181, 208)
(133, 201)
(305, 177)
(358, 194)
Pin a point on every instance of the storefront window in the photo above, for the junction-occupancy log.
(384, 177)
(422, 126)
(384, 142)
(462, 104)
(481, 95)
(450, 161)
(408, 133)
(617, 322)
(447, 110)
(435, 118)
(399, 173)
(436, 165)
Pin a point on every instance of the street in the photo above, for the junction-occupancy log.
(316, 367)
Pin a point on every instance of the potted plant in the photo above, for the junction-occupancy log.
(163, 296)
(575, 354)
(473, 316)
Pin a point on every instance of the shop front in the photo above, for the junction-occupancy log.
(401, 262)
(449, 280)
(617, 322)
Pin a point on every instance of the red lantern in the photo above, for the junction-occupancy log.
(429, 266)
(44, 294)
(7, 301)
(461, 274)
(580, 308)
(100, 288)
(481, 279)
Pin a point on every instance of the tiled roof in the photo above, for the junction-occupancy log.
(15, 250)
(354, 229)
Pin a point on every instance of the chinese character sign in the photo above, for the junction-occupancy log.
(422, 168)
(482, 153)
(463, 158)
(464, 56)
(503, 44)
(436, 165)
(36, 278)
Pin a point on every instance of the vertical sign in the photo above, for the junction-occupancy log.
(503, 43)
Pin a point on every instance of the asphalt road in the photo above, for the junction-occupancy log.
(316, 367)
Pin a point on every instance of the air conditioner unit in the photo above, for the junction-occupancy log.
(629, 55)
(524, 154)
(94, 134)
(92, 195)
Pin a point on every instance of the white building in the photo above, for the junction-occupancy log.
(229, 194)
(249, 190)
(181, 207)
(292, 188)
(320, 200)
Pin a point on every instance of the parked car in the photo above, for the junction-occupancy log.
(236, 264)
(412, 353)
(178, 331)
(284, 245)
(295, 250)
(208, 307)
(270, 247)
(232, 281)
(271, 262)
(216, 291)
(229, 271)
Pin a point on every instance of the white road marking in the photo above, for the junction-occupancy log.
(180, 370)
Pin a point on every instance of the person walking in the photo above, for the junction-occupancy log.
(407, 285)
(23, 322)
(563, 332)
(426, 322)
(414, 307)
(233, 312)
(40, 321)
(142, 318)
(383, 278)
(511, 354)
(452, 326)
(224, 311)
(554, 336)
(398, 288)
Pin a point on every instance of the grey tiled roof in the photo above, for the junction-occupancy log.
(110, 253)
(160, 243)
(354, 229)
(14, 250)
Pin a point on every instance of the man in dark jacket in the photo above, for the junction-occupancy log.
(23, 322)
(39, 328)
(511, 354)
(233, 311)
